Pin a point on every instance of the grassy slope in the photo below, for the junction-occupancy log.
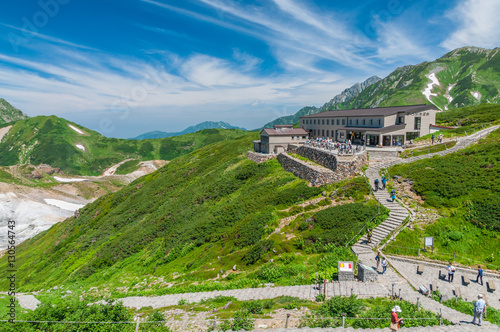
(9, 113)
(50, 140)
(465, 187)
(202, 212)
(469, 70)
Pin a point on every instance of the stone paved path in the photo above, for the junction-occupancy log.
(398, 213)
(363, 290)
(460, 328)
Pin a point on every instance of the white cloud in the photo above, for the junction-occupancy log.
(477, 24)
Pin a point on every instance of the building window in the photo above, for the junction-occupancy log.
(303, 137)
(338, 122)
(401, 119)
(323, 132)
(314, 132)
(364, 122)
(350, 122)
(292, 137)
(314, 121)
(357, 122)
(343, 122)
(327, 132)
(418, 123)
(323, 121)
(371, 122)
(379, 122)
(413, 135)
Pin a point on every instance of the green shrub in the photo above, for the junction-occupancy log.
(240, 321)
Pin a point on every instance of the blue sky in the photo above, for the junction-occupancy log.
(127, 67)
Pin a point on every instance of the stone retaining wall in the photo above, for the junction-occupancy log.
(347, 166)
(260, 157)
(317, 175)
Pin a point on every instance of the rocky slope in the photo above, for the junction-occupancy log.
(9, 113)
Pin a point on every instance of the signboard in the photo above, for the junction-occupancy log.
(346, 267)
(429, 241)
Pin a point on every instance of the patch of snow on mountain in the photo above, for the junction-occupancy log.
(63, 205)
(60, 179)
(476, 95)
(428, 90)
(81, 147)
(76, 129)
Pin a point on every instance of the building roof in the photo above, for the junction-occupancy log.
(283, 126)
(379, 111)
(378, 129)
(285, 132)
(443, 127)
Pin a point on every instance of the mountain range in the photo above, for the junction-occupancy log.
(463, 77)
(188, 130)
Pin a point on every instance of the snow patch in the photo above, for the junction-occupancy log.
(60, 179)
(76, 129)
(63, 205)
(81, 147)
(428, 91)
(476, 95)
(447, 95)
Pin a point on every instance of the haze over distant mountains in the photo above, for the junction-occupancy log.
(188, 130)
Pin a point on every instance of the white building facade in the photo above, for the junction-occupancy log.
(383, 126)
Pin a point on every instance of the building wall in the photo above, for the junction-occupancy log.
(320, 127)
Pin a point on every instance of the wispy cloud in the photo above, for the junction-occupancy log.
(477, 24)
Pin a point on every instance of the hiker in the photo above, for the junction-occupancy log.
(384, 181)
(384, 265)
(369, 236)
(479, 275)
(440, 138)
(451, 271)
(378, 258)
(376, 184)
(479, 308)
(395, 319)
(433, 138)
(393, 195)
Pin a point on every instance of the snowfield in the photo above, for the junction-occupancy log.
(63, 205)
(81, 147)
(76, 129)
(60, 179)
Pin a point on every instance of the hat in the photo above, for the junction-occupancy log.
(480, 296)
(396, 309)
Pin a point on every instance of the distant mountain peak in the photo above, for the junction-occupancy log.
(9, 113)
(188, 130)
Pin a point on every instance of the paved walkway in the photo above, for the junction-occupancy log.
(460, 328)
(309, 292)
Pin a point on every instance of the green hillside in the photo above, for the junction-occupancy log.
(461, 72)
(203, 212)
(9, 113)
(51, 140)
(463, 189)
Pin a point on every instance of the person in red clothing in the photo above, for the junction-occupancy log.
(395, 319)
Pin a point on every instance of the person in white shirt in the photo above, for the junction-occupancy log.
(479, 308)
(451, 271)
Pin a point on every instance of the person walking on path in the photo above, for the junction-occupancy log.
(393, 195)
(377, 259)
(384, 265)
(479, 308)
(384, 181)
(433, 138)
(369, 235)
(395, 319)
(479, 275)
(451, 271)
(376, 184)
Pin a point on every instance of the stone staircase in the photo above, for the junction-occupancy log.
(398, 213)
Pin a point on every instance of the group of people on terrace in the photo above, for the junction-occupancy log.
(328, 144)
